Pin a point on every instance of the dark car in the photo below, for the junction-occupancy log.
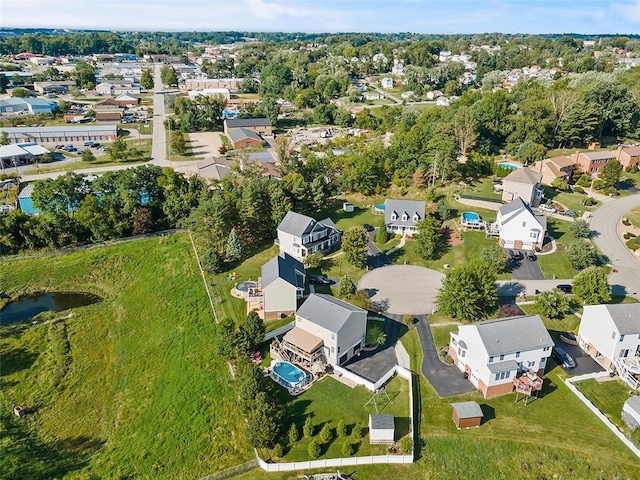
(368, 227)
(570, 213)
(564, 288)
(563, 358)
(515, 255)
(530, 256)
(320, 279)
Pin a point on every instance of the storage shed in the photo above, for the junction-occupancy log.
(381, 429)
(631, 412)
(347, 207)
(467, 414)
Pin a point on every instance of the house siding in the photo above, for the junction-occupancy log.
(497, 390)
(280, 297)
(512, 190)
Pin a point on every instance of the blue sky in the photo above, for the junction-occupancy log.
(422, 16)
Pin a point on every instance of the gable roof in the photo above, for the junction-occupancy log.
(513, 334)
(626, 317)
(561, 161)
(326, 311)
(467, 410)
(600, 155)
(516, 206)
(631, 151)
(523, 175)
(400, 207)
(213, 167)
(382, 422)
(247, 122)
(239, 134)
(283, 266)
(296, 224)
(634, 403)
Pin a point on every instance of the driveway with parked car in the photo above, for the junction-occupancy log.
(524, 265)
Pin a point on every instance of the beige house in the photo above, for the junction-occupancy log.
(554, 168)
(524, 183)
(628, 156)
(282, 284)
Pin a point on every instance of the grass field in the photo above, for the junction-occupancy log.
(127, 388)
(634, 216)
(557, 263)
(570, 200)
(609, 398)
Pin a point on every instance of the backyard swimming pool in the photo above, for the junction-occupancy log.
(288, 375)
(379, 208)
(509, 166)
(472, 219)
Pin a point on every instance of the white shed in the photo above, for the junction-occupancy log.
(381, 429)
(631, 412)
(347, 207)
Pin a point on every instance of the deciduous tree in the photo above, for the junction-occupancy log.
(354, 246)
(582, 254)
(592, 287)
(552, 303)
(430, 239)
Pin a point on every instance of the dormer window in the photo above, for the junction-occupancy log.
(416, 217)
(405, 217)
(394, 216)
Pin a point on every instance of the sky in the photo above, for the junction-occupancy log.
(419, 16)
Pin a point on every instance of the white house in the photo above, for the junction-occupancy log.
(282, 285)
(402, 216)
(211, 92)
(104, 88)
(387, 82)
(327, 330)
(372, 95)
(382, 429)
(524, 183)
(519, 227)
(299, 235)
(497, 355)
(611, 335)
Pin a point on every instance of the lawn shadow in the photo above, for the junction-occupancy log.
(488, 413)
(15, 360)
(548, 386)
(394, 256)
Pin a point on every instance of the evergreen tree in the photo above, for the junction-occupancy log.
(430, 240)
(234, 246)
(294, 434)
(308, 428)
(382, 236)
(341, 430)
(254, 330)
(346, 287)
(263, 422)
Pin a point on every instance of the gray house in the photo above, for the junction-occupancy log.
(326, 329)
(282, 281)
(402, 216)
(299, 235)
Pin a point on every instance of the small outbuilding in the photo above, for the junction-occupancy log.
(467, 414)
(382, 429)
(631, 412)
(347, 207)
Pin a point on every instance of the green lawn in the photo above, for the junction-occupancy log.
(634, 216)
(566, 323)
(570, 200)
(329, 401)
(557, 263)
(609, 397)
(482, 188)
(126, 388)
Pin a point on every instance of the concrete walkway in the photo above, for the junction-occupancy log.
(446, 380)
(397, 247)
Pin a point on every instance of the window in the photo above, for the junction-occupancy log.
(546, 349)
(394, 216)
(524, 224)
(497, 376)
(464, 353)
(613, 335)
(624, 353)
(490, 359)
(533, 235)
(621, 337)
(333, 336)
(416, 217)
(405, 217)
(517, 354)
(459, 351)
(501, 357)
(530, 364)
(338, 349)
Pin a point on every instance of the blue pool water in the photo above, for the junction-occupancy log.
(290, 375)
(380, 206)
(509, 166)
(470, 217)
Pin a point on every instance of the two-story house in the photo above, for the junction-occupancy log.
(592, 163)
(610, 334)
(282, 285)
(300, 236)
(555, 168)
(524, 183)
(327, 329)
(519, 227)
(628, 155)
(495, 354)
(402, 216)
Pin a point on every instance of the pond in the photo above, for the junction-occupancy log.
(28, 306)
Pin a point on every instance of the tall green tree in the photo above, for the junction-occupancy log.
(494, 256)
(146, 79)
(431, 242)
(469, 293)
(264, 422)
(4, 138)
(552, 303)
(346, 287)
(234, 246)
(168, 76)
(354, 246)
(592, 286)
(611, 173)
(253, 329)
(582, 254)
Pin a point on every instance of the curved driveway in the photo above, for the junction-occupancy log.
(604, 227)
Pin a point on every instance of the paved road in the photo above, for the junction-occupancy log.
(376, 258)
(447, 380)
(84, 171)
(604, 223)
(159, 143)
(511, 288)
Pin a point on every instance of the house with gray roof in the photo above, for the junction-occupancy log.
(282, 285)
(524, 183)
(519, 227)
(244, 138)
(402, 216)
(261, 126)
(610, 334)
(327, 330)
(592, 163)
(497, 355)
(300, 236)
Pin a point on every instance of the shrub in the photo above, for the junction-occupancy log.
(308, 429)
(582, 254)
(408, 320)
(347, 448)
(580, 228)
(294, 434)
(341, 430)
(633, 244)
(583, 181)
(326, 434)
(277, 451)
(589, 201)
(357, 432)
(625, 221)
(508, 311)
(632, 169)
(406, 445)
(346, 287)
(314, 449)
(579, 189)
(552, 303)
(314, 260)
(599, 184)
(560, 184)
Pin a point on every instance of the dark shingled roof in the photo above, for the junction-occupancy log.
(382, 422)
(247, 122)
(283, 266)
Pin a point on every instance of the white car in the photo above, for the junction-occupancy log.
(547, 208)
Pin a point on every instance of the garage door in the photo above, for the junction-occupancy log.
(508, 243)
(527, 246)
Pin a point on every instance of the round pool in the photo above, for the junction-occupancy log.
(470, 216)
(244, 287)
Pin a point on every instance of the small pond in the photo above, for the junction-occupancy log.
(28, 306)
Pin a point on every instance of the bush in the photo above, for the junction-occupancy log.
(633, 244)
(632, 169)
(599, 184)
(314, 449)
(357, 432)
(505, 311)
(308, 429)
(591, 286)
(341, 430)
(277, 451)
(582, 254)
(408, 320)
(589, 201)
(580, 228)
(579, 189)
(294, 434)
(583, 181)
(625, 221)
(406, 445)
(326, 434)
(347, 448)
(314, 260)
(628, 235)
(552, 303)
(560, 184)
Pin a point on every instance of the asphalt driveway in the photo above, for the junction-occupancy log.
(447, 380)
(525, 270)
(584, 363)
(376, 258)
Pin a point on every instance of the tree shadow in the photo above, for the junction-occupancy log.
(15, 360)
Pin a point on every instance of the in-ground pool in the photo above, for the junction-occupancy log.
(508, 166)
(288, 375)
(380, 207)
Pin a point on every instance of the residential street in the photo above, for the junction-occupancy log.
(604, 225)
(159, 144)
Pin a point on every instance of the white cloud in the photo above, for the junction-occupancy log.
(630, 12)
(262, 9)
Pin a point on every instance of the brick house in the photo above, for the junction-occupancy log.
(592, 163)
(261, 126)
(554, 168)
(628, 156)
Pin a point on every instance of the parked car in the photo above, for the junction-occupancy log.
(95, 145)
(562, 357)
(59, 147)
(547, 208)
(564, 288)
(319, 279)
(515, 255)
(570, 213)
(530, 256)
(88, 144)
(368, 227)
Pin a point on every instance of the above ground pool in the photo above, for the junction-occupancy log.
(245, 289)
(289, 375)
(470, 217)
(380, 207)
